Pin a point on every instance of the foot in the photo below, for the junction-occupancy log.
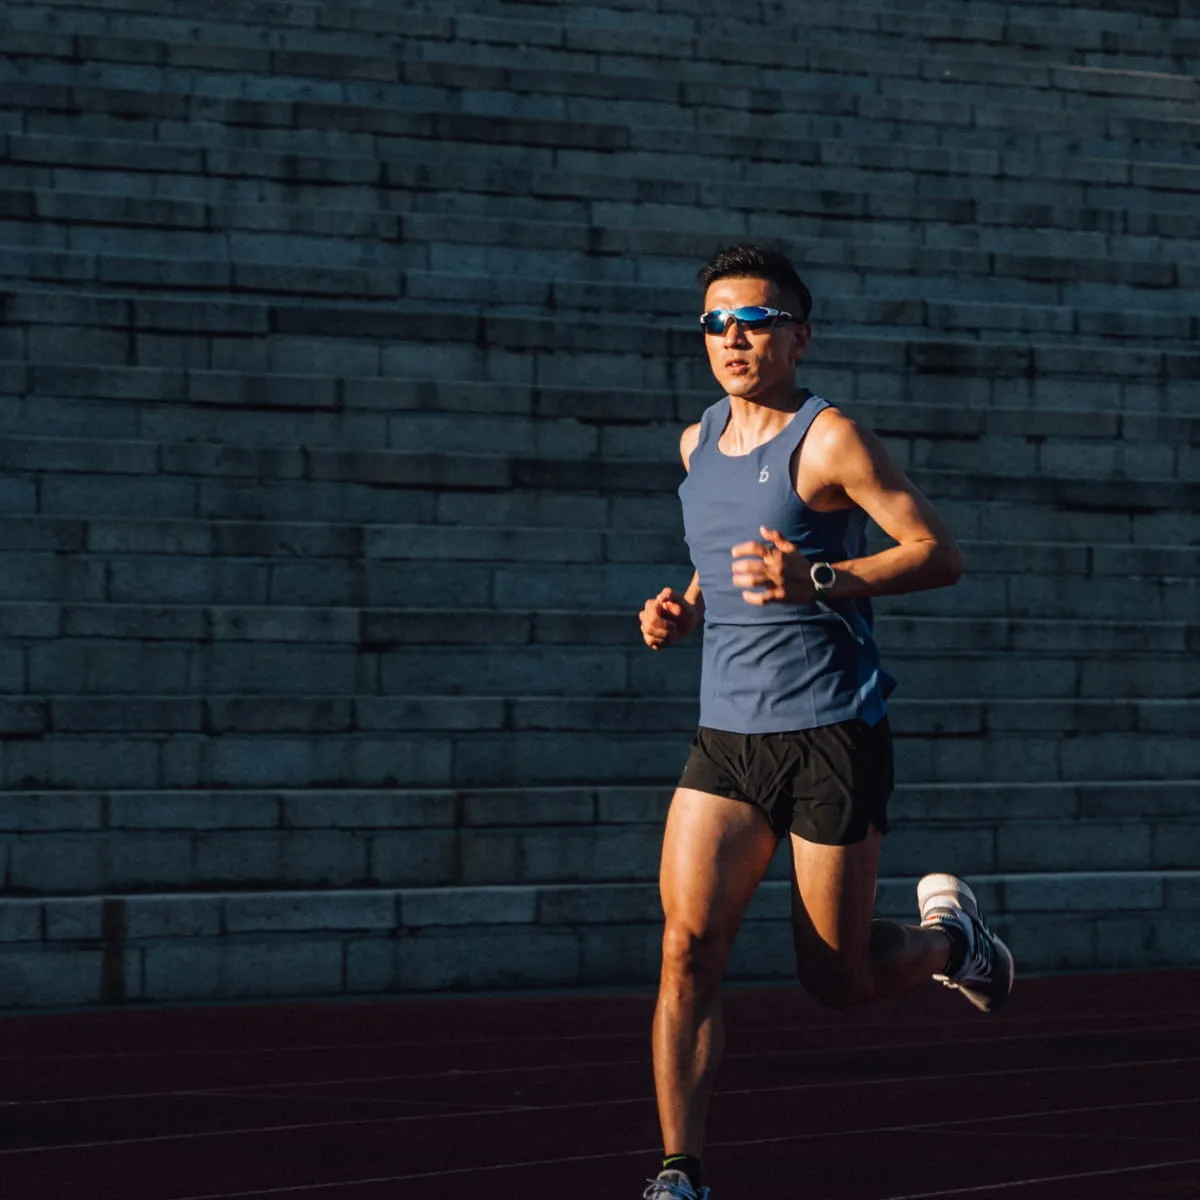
(986, 974)
(673, 1185)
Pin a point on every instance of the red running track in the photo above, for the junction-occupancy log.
(1084, 1088)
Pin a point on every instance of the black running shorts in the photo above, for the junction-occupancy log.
(827, 785)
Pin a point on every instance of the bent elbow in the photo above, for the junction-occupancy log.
(951, 564)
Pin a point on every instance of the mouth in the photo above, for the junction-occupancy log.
(737, 366)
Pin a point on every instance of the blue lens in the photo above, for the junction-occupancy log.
(751, 317)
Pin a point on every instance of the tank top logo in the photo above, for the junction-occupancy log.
(764, 475)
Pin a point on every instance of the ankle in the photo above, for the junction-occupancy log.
(691, 1166)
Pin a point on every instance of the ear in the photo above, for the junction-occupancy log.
(800, 341)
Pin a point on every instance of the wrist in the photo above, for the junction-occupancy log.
(823, 579)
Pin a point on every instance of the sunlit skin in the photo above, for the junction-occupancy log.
(716, 850)
(841, 464)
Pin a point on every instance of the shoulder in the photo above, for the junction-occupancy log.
(688, 442)
(833, 434)
(840, 450)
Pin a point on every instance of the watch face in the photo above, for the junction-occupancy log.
(823, 575)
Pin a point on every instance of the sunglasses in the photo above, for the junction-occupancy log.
(753, 317)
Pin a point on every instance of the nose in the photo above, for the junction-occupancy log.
(735, 335)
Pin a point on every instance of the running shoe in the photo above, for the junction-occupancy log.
(986, 975)
(673, 1185)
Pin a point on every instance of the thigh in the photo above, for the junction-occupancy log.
(833, 899)
(715, 852)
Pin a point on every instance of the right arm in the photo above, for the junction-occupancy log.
(671, 616)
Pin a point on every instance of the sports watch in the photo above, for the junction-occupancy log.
(823, 577)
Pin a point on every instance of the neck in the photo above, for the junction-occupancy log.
(753, 421)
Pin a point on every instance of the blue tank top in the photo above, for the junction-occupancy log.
(775, 667)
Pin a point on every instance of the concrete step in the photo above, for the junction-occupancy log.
(852, 116)
(1147, 516)
(116, 539)
(469, 757)
(922, 184)
(215, 945)
(1065, 22)
(168, 856)
(182, 579)
(287, 811)
(530, 706)
(380, 630)
(302, 682)
(172, 404)
(360, 341)
(814, 63)
(1007, 137)
(1087, 38)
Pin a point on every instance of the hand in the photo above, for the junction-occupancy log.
(776, 567)
(666, 618)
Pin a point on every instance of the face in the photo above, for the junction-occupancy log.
(750, 363)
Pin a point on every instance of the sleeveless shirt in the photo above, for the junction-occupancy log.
(775, 667)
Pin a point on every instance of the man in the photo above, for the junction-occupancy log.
(793, 737)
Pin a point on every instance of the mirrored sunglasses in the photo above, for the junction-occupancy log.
(753, 317)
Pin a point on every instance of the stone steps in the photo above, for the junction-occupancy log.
(174, 405)
(1147, 513)
(336, 684)
(498, 757)
(947, 180)
(850, 117)
(220, 245)
(218, 946)
(390, 343)
(175, 50)
(67, 844)
(111, 540)
(914, 315)
(1078, 32)
(387, 628)
(174, 579)
(571, 705)
(1007, 131)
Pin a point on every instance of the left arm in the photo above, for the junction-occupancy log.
(852, 464)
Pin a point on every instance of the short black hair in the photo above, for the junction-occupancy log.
(759, 262)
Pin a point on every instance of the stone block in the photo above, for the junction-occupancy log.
(369, 810)
(237, 858)
(326, 859)
(430, 908)
(73, 920)
(50, 978)
(169, 917)
(622, 955)
(20, 921)
(296, 912)
(486, 958)
(611, 904)
(80, 762)
(420, 858)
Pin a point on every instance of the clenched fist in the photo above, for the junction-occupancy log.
(666, 618)
(775, 567)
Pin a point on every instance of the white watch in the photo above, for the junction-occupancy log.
(823, 578)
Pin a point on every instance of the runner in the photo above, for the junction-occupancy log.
(793, 738)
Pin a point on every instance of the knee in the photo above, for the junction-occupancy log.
(692, 960)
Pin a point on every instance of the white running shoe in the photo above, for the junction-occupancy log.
(986, 976)
(673, 1185)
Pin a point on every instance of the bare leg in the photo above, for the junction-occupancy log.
(843, 956)
(715, 852)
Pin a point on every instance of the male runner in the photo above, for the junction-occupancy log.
(793, 738)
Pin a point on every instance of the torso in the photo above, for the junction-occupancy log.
(808, 468)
